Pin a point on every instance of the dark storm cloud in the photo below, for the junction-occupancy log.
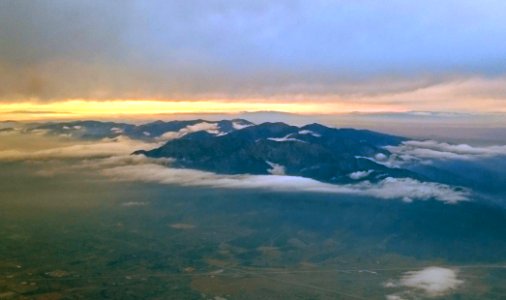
(57, 49)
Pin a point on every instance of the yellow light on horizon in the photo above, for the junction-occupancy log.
(72, 109)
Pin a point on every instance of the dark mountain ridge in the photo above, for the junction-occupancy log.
(240, 147)
(93, 130)
(314, 151)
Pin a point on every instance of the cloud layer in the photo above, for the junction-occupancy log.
(242, 49)
(105, 148)
(410, 151)
(111, 157)
(406, 189)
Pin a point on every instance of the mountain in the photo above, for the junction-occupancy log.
(314, 151)
(8, 124)
(91, 130)
(158, 130)
(240, 147)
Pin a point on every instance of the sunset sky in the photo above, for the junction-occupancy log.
(93, 58)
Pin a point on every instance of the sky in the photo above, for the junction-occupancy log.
(87, 58)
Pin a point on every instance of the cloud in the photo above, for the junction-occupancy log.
(390, 188)
(211, 128)
(286, 138)
(239, 125)
(309, 132)
(111, 157)
(360, 174)
(410, 151)
(96, 49)
(429, 282)
(116, 130)
(119, 160)
(276, 169)
(106, 147)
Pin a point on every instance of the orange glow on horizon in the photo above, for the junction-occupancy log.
(78, 109)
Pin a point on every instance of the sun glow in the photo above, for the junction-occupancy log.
(73, 109)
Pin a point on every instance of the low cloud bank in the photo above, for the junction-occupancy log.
(112, 158)
(103, 148)
(410, 151)
(406, 189)
(427, 283)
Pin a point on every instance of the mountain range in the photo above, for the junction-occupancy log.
(313, 151)
(334, 155)
(93, 130)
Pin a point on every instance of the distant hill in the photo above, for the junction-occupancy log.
(151, 131)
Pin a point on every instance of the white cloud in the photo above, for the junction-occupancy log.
(392, 161)
(120, 160)
(211, 128)
(394, 297)
(285, 139)
(360, 174)
(390, 188)
(204, 126)
(117, 130)
(380, 157)
(239, 126)
(410, 189)
(309, 132)
(427, 150)
(429, 282)
(277, 169)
